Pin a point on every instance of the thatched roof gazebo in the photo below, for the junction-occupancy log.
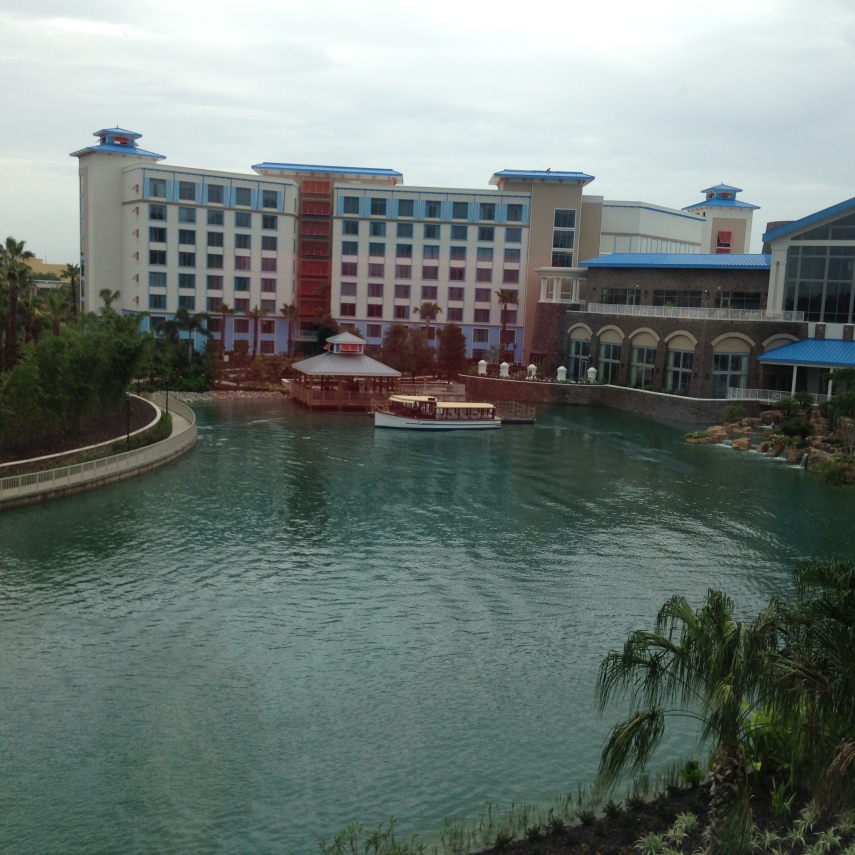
(343, 378)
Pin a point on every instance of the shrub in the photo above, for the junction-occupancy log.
(797, 427)
(696, 434)
(733, 413)
(804, 400)
(788, 407)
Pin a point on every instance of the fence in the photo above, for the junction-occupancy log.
(67, 480)
(692, 312)
(767, 395)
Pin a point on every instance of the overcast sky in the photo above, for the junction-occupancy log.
(658, 100)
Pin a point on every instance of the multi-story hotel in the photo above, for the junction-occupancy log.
(356, 244)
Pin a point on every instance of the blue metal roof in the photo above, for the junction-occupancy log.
(687, 260)
(541, 175)
(721, 203)
(722, 187)
(340, 170)
(798, 225)
(120, 131)
(824, 353)
(131, 151)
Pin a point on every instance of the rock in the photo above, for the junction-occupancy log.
(776, 448)
(764, 447)
(741, 444)
(795, 455)
(717, 433)
(751, 422)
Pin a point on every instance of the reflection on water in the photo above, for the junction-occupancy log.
(307, 622)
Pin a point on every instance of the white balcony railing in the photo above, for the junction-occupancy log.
(691, 312)
(767, 395)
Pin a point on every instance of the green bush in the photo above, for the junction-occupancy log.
(733, 413)
(797, 427)
(788, 407)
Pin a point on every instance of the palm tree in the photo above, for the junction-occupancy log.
(702, 664)
(192, 324)
(256, 314)
(109, 297)
(58, 306)
(16, 274)
(224, 310)
(72, 273)
(507, 297)
(290, 312)
(428, 312)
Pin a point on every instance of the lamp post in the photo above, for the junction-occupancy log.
(128, 413)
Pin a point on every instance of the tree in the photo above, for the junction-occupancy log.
(702, 664)
(58, 308)
(192, 324)
(428, 312)
(224, 310)
(109, 297)
(290, 312)
(15, 274)
(422, 355)
(506, 297)
(256, 314)
(72, 274)
(395, 348)
(451, 356)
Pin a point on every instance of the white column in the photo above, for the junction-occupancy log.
(542, 289)
(830, 381)
(793, 388)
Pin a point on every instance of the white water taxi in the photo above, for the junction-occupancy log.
(425, 412)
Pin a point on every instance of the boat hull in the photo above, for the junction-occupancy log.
(389, 420)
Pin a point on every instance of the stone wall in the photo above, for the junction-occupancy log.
(701, 411)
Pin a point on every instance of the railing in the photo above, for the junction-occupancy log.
(691, 312)
(767, 396)
(330, 397)
(79, 476)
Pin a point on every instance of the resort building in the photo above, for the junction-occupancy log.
(356, 244)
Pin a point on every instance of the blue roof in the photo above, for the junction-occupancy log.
(797, 225)
(721, 203)
(825, 353)
(723, 187)
(540, 175)
(131, 151)
(120, 131)
(686, 260)
(340, 170)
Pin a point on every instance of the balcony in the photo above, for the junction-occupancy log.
(687, 312)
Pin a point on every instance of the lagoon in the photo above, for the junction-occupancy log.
(307, 622)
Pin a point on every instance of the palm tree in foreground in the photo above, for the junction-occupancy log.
(506, 297)
(428, 312)
(72, 273)
(224, 310)
(15, 273)
(256, 314)
(701, 664)
(290, 312)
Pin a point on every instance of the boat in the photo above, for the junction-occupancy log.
(425, 412)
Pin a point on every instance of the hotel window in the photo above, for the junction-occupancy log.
(376, 269)
(155, 321)
(510, 275)
(460, 232)
(511, 316)
(157, 188)
(377, 250)
(375, 310)
(487, 211)
(241, 325)
(455, 294)
(375, 289)
(402, 313)
(216, 218)
(730, 370)
(458, 253)
(268, 327)
(269, 306)
(268, 286)
(186, 237)
(243, 241)
(157, 234)
(268, 265)
(242, 305)
(723, 243)
(269, 222)
(741, 300)
(480, 336)
(350, 227)
(406, 208)
(483, 295)
(348, 310)
(348, 268)
(454, 314)
(484, 274)
(403, 271)
(187, 301)
(481, 316)
(619, 296)
(402, 292)
(187, 280)
(213, 304)
(242, 262)
(349, 247)
(486, 233)
(350, 205)
(455, 274)
(459, 210)
(512, 256)
(186, 191)
(680, 370)
(563, 237)
(241, 283)
(485, 253)
(157, 256)
(243, 220)
(374, 330)
(431, 232)
(429, 292)
(513, 235)
(691, 299)
(377, 229)
(215, 194)
(215, 283)
(157, 301)
(404, 250)
(433, 209)
(269, 199)
(609, 364)
(243, 196)
(267, 347)
(186, 215)
(577, 365)
(348, 289)
(641, 367)
(430, 272)
(378, 206)
(514, 213)
(157, 212)
(156, 279)
(405, 230)
(269, 242)
(430, 251)
(215, 262)
(215, 239)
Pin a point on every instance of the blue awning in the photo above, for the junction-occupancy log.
(822, 353)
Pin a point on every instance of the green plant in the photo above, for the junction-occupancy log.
(503, 841)
(691, 773)
(587, 817)
(804, 400)
(782, 804)
(534, 832)
(697, 434)
(612, 809)
(733, 413)
(797, 427)
(650, 844)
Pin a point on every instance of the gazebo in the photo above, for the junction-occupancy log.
(343, 378)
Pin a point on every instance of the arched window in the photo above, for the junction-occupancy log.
(611, 349)
(681, 358)
(579, 351)
(643, 359)
(730, 365)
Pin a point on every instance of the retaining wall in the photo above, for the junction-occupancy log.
(16, 490)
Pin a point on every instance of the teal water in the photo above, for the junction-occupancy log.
(306, 622)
